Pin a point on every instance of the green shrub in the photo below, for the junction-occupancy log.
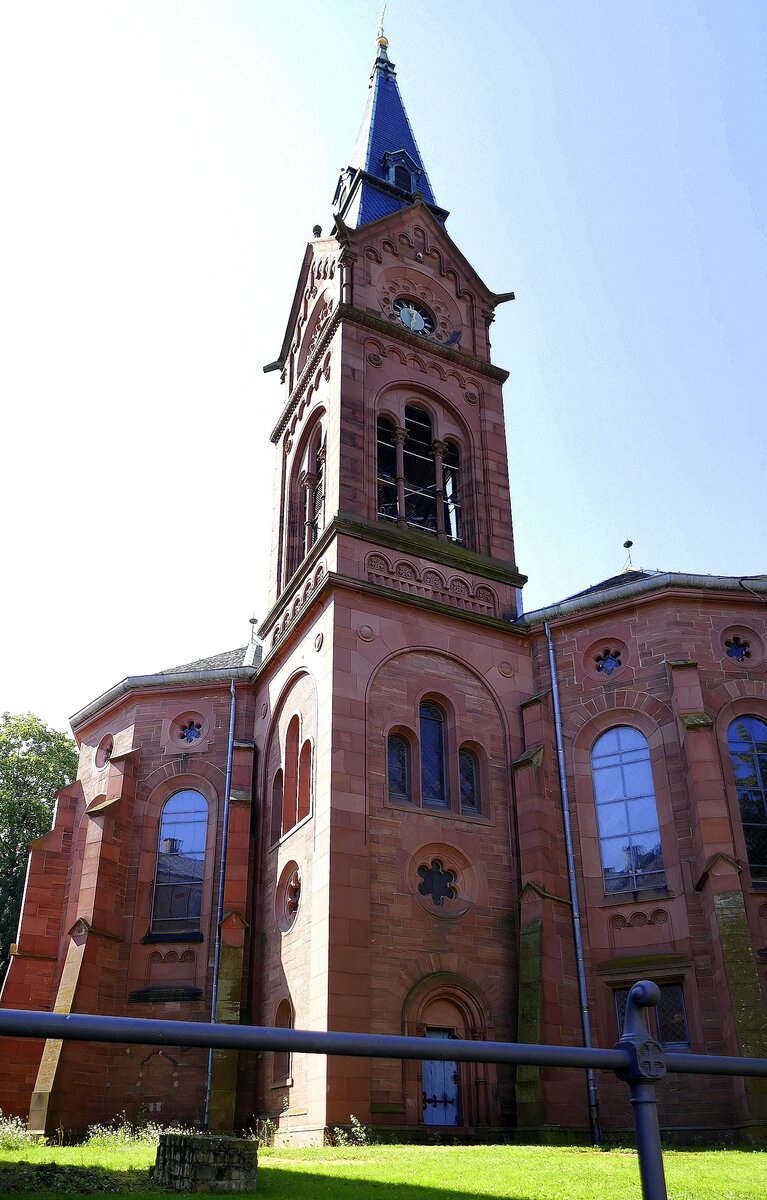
(356, 1135)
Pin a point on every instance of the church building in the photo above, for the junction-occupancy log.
(410, 807)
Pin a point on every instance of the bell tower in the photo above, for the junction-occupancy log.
(389, 659)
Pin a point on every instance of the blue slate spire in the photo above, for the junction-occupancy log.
(386, 172)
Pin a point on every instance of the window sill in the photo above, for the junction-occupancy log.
(165, 995)
(614, 899)
(285, 1082)
(152, 938)
(434, 810)
(289, 833)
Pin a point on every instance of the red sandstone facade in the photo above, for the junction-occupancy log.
(359, 898)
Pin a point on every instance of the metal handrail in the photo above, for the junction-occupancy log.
(637, 1059)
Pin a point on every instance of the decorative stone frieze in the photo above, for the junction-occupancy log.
(405, 576)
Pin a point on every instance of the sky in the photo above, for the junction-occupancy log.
(163, 164)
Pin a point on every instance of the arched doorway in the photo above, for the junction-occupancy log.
(445, 1093)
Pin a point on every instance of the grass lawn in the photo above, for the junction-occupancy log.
(407, 1173)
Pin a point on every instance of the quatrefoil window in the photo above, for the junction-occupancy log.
(437, 882)
(191, 731)
(738, 648)
(608, 661)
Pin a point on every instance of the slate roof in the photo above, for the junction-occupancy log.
(385, 130)
(223, 661)
(613, 582)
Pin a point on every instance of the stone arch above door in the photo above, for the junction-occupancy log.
(447, 1006)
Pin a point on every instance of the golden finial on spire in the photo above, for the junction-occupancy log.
(382, 40)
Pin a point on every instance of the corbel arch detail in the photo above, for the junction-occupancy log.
(602, 711)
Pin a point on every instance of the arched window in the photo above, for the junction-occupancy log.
(281, 1061)
(747, 741)
(468, 767)
(451, 483)
(433, 780)
(387, 470)
(177, 898)
(418, 478)
(627, 815)
(398, 767)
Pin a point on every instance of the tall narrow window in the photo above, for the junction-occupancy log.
(420, 471)
(468, 767)
(306, 501)
(305, 781)
(180, 864)
(387, 470)
(290, 797)
(433, 783)
(402, 178)
(747, 741)
(627, 814)
(451, 483)
(316, 493)
(281, 1061)
(277, 796)
(398, 767)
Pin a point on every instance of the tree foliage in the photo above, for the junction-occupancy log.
(35, 761)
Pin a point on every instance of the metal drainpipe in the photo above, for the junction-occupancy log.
(596, 1130)
(220, 905)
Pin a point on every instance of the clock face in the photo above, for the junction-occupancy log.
(413, 315)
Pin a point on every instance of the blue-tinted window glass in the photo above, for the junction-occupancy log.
(627, 814)
(747, 741)
(432, 726)
(180, 864)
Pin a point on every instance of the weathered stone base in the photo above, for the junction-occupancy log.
(204, 1163)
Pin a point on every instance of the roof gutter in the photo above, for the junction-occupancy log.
(167, 679)
(642, 587)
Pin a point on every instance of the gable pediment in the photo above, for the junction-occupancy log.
(402, 236)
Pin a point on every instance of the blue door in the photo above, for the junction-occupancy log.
(440, 1087)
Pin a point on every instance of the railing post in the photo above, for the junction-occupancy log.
(647, 1066)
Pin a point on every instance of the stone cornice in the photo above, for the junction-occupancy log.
(644, 590)
(169, 681)
(379, 533)
(348, 583)
(385, 328)
(407, 541)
